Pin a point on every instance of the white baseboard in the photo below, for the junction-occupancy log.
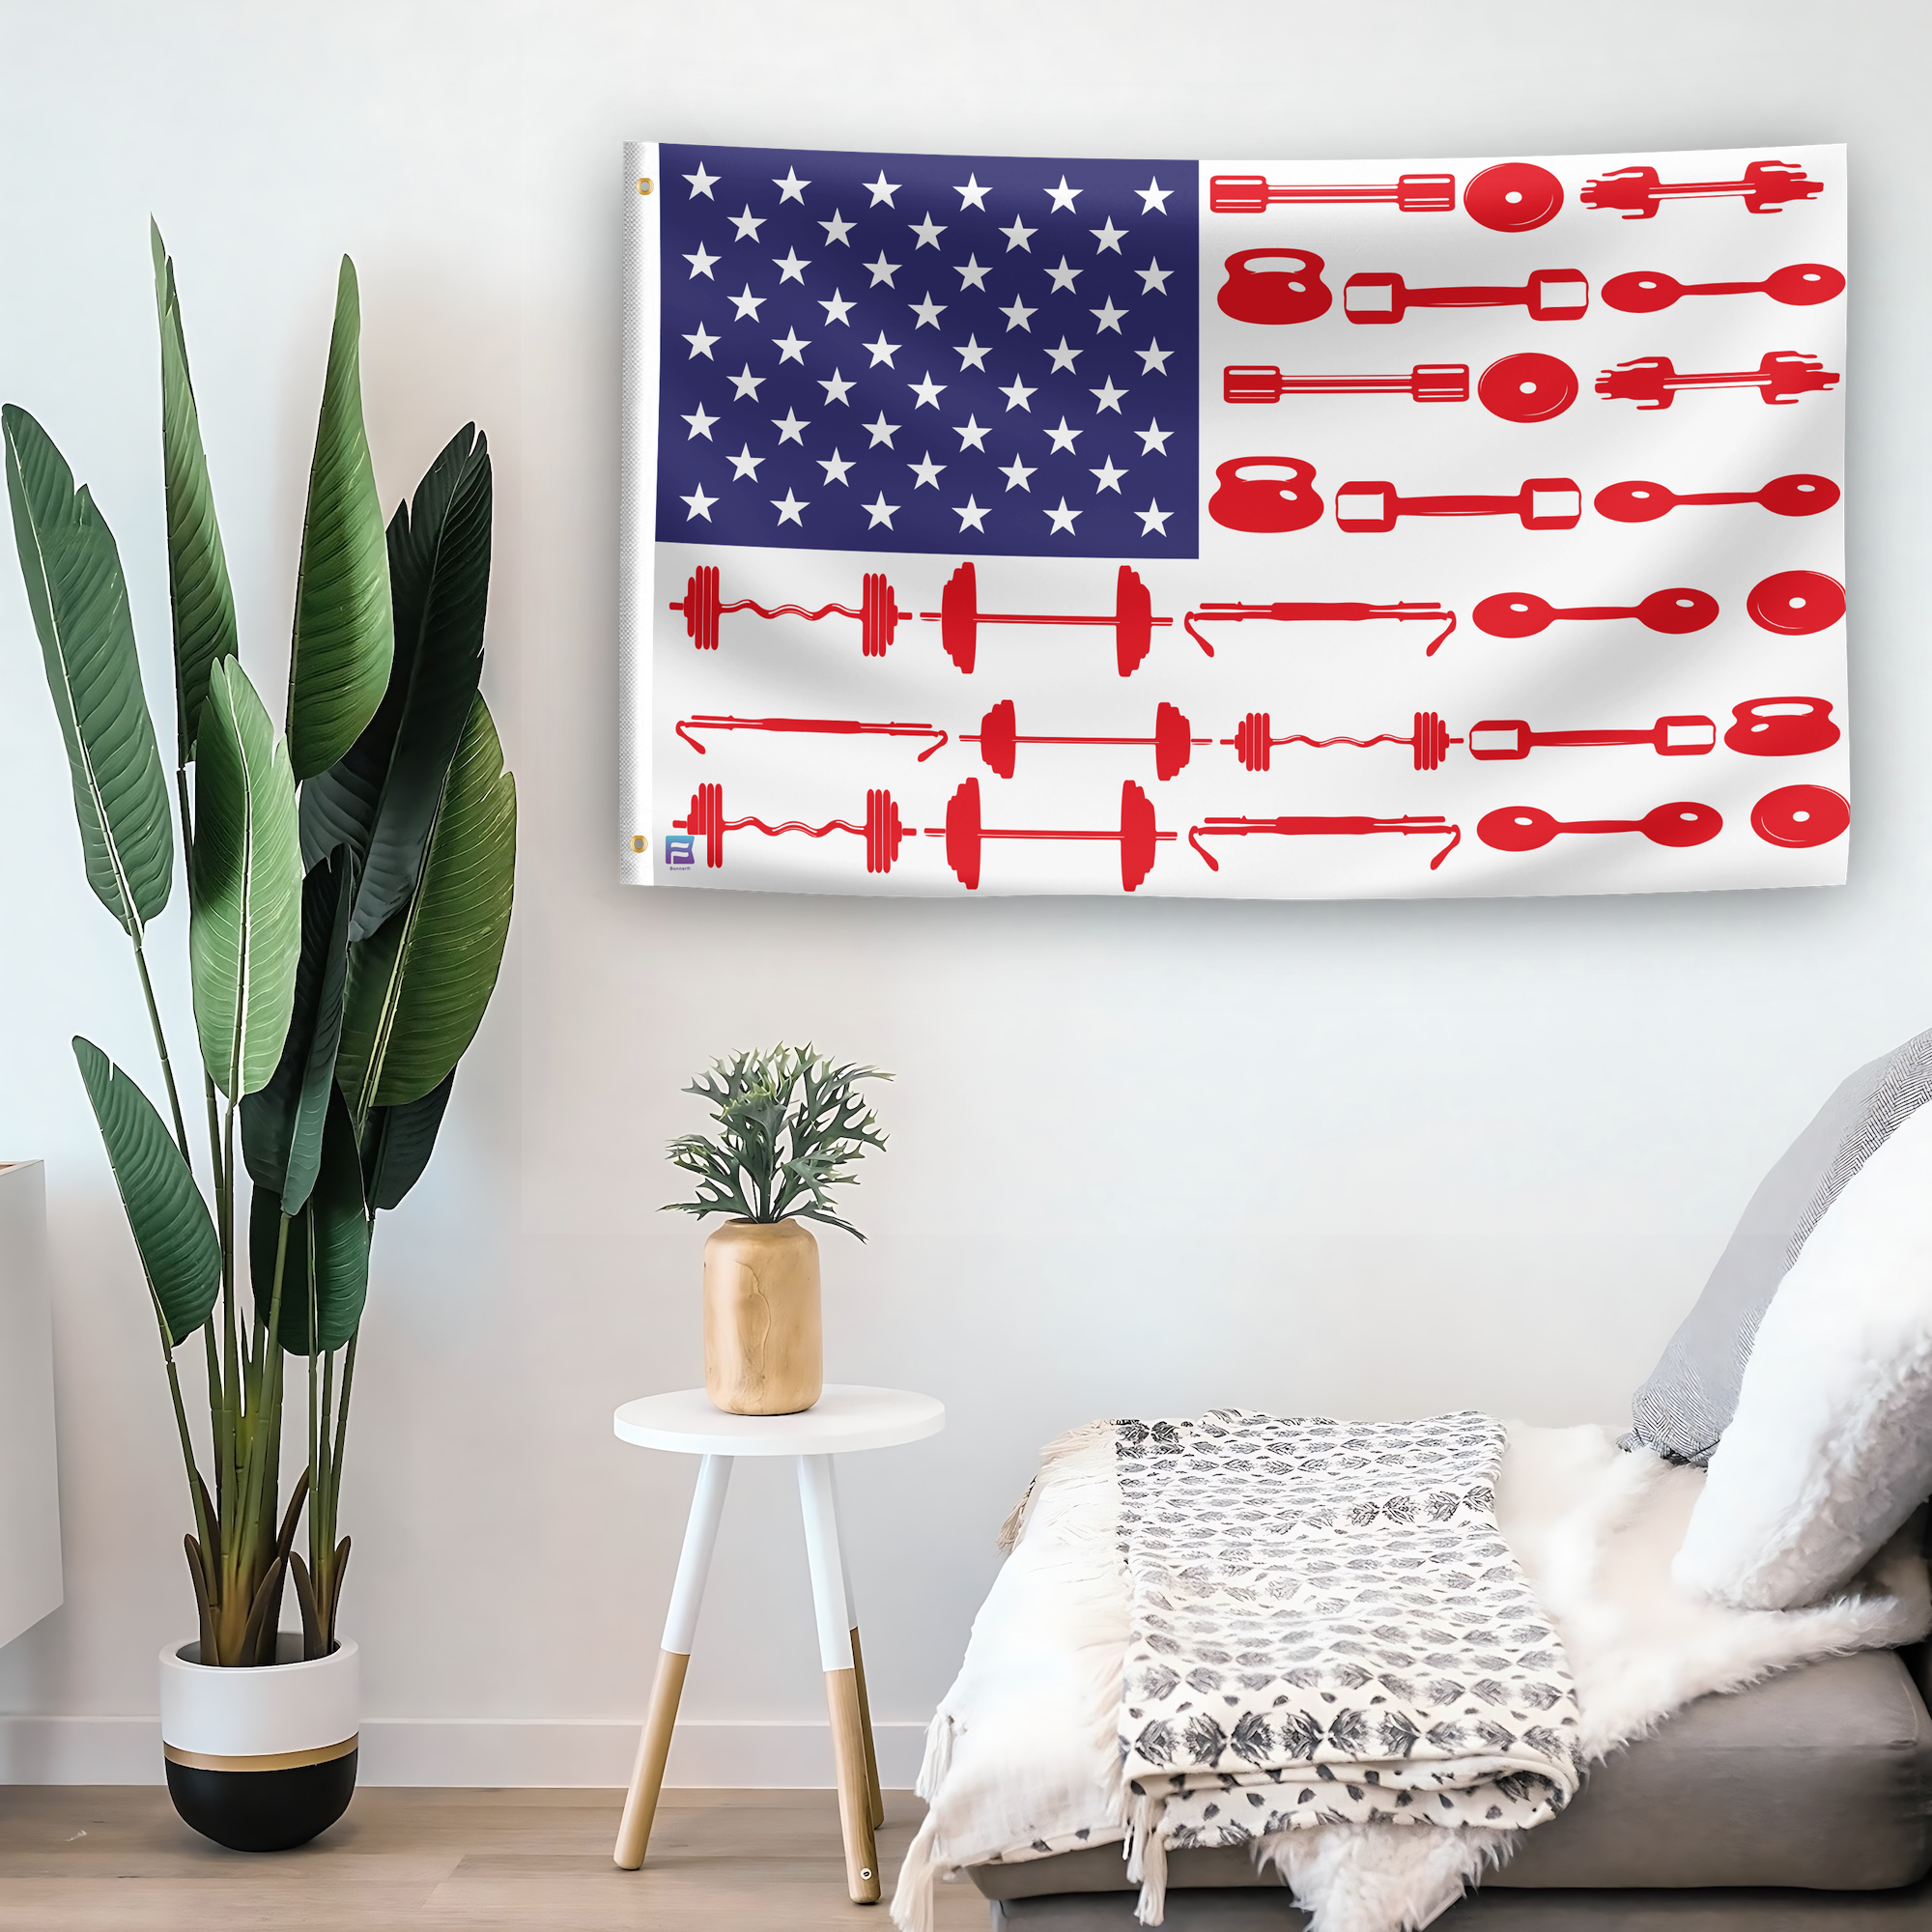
(480, 1752)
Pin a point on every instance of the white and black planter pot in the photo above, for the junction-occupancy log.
(261, 1760)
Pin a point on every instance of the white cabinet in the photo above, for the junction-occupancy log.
(30, 1553)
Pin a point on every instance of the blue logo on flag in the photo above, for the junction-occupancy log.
(680, 850)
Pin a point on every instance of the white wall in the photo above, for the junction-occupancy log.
(1373, 1159)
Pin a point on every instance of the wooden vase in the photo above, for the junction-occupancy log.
(764, 1346)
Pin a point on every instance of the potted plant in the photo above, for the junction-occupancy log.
(790, 1127)
(349, 891)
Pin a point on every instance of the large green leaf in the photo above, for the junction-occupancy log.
(198, 588)
(398, 1142)
(244, 887)
(179, 1253)
(344, 636)
(380, 796)
(281, 1126)
(79, 601)
(418, 987)
(325, 1265)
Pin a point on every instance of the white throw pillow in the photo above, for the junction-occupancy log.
(1831, 1448)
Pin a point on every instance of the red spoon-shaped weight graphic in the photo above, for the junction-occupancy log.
(1798, 496)
(1515, 613)
(1800, 815)
(1523, 828)
(1795, 602)
(1798, 285)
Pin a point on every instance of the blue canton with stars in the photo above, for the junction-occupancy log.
(928, 353)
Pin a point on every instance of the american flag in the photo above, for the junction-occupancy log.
(928, 353)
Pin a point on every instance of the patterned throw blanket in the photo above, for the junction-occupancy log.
(1327, 1627)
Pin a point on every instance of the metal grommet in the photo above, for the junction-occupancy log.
(636, 841)
(644, 184)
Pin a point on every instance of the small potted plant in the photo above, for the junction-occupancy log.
(790, 1127)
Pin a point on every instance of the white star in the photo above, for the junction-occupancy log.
(790, 348)
(1110, 397)
(1062, 277)
(744, 463)
(1063, 196)
(880, 511)
(1154, 519)
(788, 509)
(1153, 201)
(836, 467)
(1062, 519)
(1016, 316)
(1016, 393)
(700, 423)
(927, 311)
(883, 271)
(1107, 316)
(791, 188)
(1154, 439)
(789, 428)
(1110, 477)
(1063, 358)
(882, 432)
(697, 504)
(882, 190)
(836, 389)
(748, 304)
(700, 340)
(838, 309)
(971, 274)
(882, 351)
(971, 436)
(747, 224)
(929, 232)
(972, 195)
(971, 355)
(701, 264)
(745, 383)
(837, 230)
(926, 472)
(1154, 357)
(1016, 474)
(1017, 235)
(1109, 236)
(791, 269)
(1063, 437)
(926, 390)
(1153, 278)
(971, 515)
(701, 183)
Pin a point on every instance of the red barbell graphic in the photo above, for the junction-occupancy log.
(1286, 289)
(1269, 502)
(1636, 192)
(1795, 496)
(1542, 503)
(883, 830)
(1652, 381)
(965, 833)
(1321, 613)
(1798, 816)
(1254, 745)
(1350, 825)
(999, 738)
(1511, 197)
(1517, 614)
(1524, 388)
(877, 613)
(835, 727)
(1524, 828)
(1132, 620)
(1644, 291)
(1781, 728)
(1550, 295)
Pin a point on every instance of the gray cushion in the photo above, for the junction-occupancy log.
(1692, 1393)
(1821, 1777)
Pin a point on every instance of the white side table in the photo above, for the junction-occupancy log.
(844, 1419)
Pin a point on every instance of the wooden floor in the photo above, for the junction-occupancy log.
(76, 1859)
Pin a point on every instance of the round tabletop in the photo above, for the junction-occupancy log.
(846, 1417)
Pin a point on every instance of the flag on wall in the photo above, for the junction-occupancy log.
(1239, 527)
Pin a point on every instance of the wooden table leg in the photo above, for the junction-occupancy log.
(694, 1564)
(842, 1680)
(878, 1800)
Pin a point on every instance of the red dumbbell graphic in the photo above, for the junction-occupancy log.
(1797, 603)
(1515, 613)
(877, 613)
(1684, 735)
(1523, 828)
(1132, 620)
(999, 738)
(1321, 613)
(966, 832)
(831, 728)
(1550, 294)
(1781, 728)
(1426, 382)
(1542, 503)
(1795, 496)
(1651, 382)
(1636, 194)
(883, 831)
(1349, 826)
(1254, 744)
(1644, 291)
(1511, 197)
(1798, 816)
(1266, 494)
(1286, 287)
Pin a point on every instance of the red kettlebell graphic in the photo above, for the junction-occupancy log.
(1281, 497)
(1287, 288)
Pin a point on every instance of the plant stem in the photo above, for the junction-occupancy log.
(161, 1047)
